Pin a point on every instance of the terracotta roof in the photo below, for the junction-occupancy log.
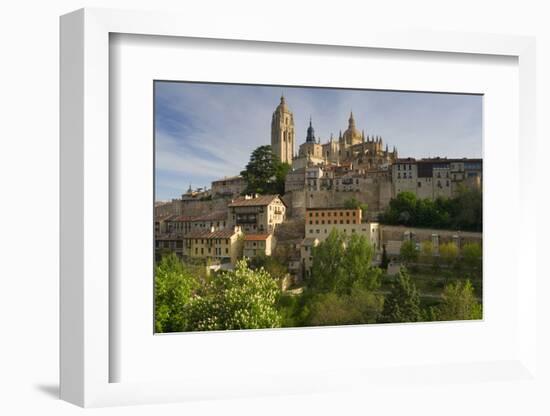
(256, 237)
(225, 233)
(168, 236)
(212, 216)
(262, 200)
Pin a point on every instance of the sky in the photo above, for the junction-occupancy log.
(204, 131)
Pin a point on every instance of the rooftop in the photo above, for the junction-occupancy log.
(261, 200)
(207, 234)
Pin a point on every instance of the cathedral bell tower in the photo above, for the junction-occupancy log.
(282, 132)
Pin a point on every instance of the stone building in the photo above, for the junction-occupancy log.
(230, 187)
(221, 246)
(258, 244)
(168, 242)
(257, 214)
(282, 132)
(436, 177)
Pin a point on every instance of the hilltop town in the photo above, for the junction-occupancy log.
(343, 183)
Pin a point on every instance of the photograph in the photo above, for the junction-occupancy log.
(281, 206)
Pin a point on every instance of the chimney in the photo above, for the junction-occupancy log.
(212, 229)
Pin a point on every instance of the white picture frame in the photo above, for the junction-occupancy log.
(85, 352)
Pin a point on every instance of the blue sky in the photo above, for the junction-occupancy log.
(207, 131)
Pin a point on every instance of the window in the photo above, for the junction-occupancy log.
(317, 231)
(341, 221)
(226, 251)
(310, 222)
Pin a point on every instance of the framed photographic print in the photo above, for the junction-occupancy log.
(274, 214)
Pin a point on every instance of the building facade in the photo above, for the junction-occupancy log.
(258, 244)
(320, 222)
(230, 187)
(221, 246)
(436, 177)
(257, 214)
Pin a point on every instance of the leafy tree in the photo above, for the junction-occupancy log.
(408, 252)
(459, 303)
(448, 253)
(360, 306)
(403, 302)
(462, 212)
(339, 262)
(174, 286)
(427, 251)
(240, 299)
(270, 264)
(472, 255)
(264, 173)
(353, 203)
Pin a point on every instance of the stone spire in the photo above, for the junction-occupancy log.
(351, 121)
(310, 138)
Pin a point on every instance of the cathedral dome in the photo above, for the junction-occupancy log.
(351, 135)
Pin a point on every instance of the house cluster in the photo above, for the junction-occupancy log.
(246, 226)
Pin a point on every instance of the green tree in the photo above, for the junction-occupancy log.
(402, 304)
(339, 262)
(448, 253)
(472, 255)
(360, 306)
(353, 203)
(174, 286)
(240, 299)
(270, 264)
(427, 251)
(408, 252)
(264, 173)
(459, 303)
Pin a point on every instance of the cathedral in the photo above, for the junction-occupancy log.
(351, 148)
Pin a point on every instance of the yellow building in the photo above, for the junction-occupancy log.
(321, 221)
(258, 244)
(223, 246)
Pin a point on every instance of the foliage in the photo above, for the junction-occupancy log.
(340, 261)
(360, 306)
(408, 252)
(448, 253)
(472, 255)
(264, 173)
(174, 286)
(462, 212)
(353, 203)
(240, 299)
(459, 303)
(270, 264)
(402, 304)
(427, 249)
